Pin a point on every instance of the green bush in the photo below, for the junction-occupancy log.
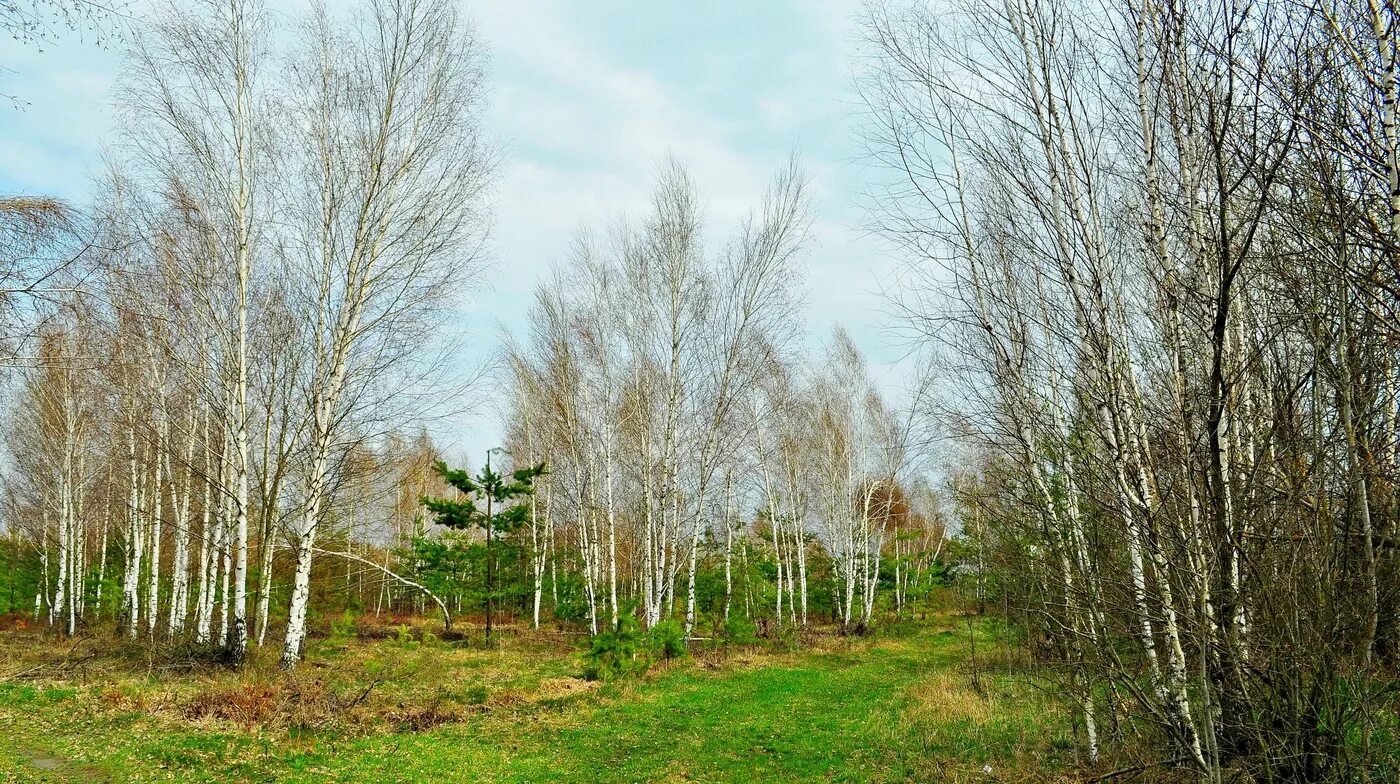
(404, 638)
(475, 695)
(572, 605)
(617, 653)
(627, 650)
(667, 638)
(740, 630)
(786, 638)
(343, 628)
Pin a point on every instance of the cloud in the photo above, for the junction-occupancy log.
(586, 98)
(48, 142)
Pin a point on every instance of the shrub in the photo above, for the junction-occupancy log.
(421, 719)
(787, 638)
(404, 638)
(627, 650)
(616, 653)
(343, 627)
(667, 638)
(249, 704)
(740, 630)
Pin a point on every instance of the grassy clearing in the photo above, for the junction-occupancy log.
(898, 707)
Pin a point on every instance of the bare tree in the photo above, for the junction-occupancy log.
(385, 194)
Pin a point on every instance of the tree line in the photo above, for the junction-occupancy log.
(662, 382)
(1154, 248)
(278, 233)
(226, 367)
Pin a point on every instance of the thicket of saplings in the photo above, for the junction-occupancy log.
(363, 602)
(1156, 254)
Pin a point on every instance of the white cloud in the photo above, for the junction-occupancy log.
(583, 133)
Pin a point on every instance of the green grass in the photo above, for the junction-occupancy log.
(897, 708)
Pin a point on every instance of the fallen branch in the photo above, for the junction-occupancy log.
(65, 663)
(446, 614)
(1134, 769)
(365, 693)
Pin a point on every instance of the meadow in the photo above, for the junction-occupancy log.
(947, 698)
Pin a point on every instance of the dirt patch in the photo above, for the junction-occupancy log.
(66, 771)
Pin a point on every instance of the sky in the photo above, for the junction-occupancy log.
(586, 99)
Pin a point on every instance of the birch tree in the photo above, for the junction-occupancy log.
(1108, 232)
(386, 212)
(196, 115)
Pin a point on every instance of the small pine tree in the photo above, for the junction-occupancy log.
(619, 651)
(494, 491)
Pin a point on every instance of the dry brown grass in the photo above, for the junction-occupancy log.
(422, 719)
(396, 677)
(947, 696)
(388, 674)
(996, 728)
(248, 705)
